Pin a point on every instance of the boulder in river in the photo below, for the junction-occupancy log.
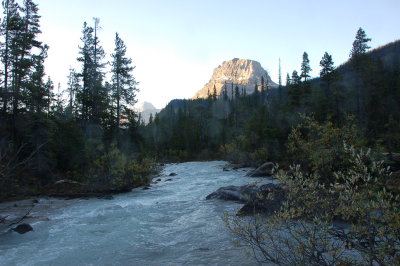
(23, 228)
(172, 174)
(235, 193)
(264, 170)
(264, 203)
(256, 199)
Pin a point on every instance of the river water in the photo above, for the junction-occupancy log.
(170, 224)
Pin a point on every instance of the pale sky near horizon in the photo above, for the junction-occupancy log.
(175, 45)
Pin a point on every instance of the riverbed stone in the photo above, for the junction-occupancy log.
(23, 228)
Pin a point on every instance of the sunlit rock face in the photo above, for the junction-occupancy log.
(146, 109)
(241, 72)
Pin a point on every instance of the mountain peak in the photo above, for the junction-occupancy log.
(245, 73)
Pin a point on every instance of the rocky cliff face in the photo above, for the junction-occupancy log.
(244, 73)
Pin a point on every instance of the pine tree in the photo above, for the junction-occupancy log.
(329, 76)
(305, 68)
(357, 56)
(10, 26)
(93, 97)
(360, 45)
(124, 84)
(225, 92)
(37, 96)
(24, 45)
(72, 89)
(288, 81)
(327, 67)
(294, 90)
(237, 92)
(214, 95)
(280, 83)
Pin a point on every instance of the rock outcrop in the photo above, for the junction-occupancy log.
(243, 73)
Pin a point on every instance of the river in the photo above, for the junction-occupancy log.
(170, 224)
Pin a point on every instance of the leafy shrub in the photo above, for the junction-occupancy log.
(353, 220)
(319, 147)
(112, 170)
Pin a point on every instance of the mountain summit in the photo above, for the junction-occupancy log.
(242, 72)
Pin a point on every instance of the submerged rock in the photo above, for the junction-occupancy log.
(172, 174)
(106, 197)
(23, 228)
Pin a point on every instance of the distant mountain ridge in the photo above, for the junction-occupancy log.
(242, 72)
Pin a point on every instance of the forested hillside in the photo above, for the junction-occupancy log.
(253, 128)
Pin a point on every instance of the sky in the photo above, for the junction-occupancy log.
(176, 44)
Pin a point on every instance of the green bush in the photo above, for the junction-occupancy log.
(318, 147)
(353, 220)
(111, 170)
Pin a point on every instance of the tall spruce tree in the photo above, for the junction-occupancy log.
(359, 62)
(305, 68)
(124, 84)
(280, 83)
(360, 44)
(36, 95)
(24, 45)
(294, 90)
(329, 76)
(72, 89)
(214, 95)
(10, 27)
(93, 96)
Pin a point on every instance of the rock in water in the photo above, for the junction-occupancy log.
(264, 170)
(235, 193)
(241, 72)
(23, 228)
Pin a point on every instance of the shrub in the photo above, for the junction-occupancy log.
(319, 147)
(353, 220)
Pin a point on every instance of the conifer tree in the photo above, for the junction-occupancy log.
(214, 95)
(358, 59)
(124, 84)
(93, 97)
(294, 90)
(328, 76)
(280, 83)
(225, 92)
(10, 26)
(360, 45)
(72, 89)
(37, 95)
(305, 68)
